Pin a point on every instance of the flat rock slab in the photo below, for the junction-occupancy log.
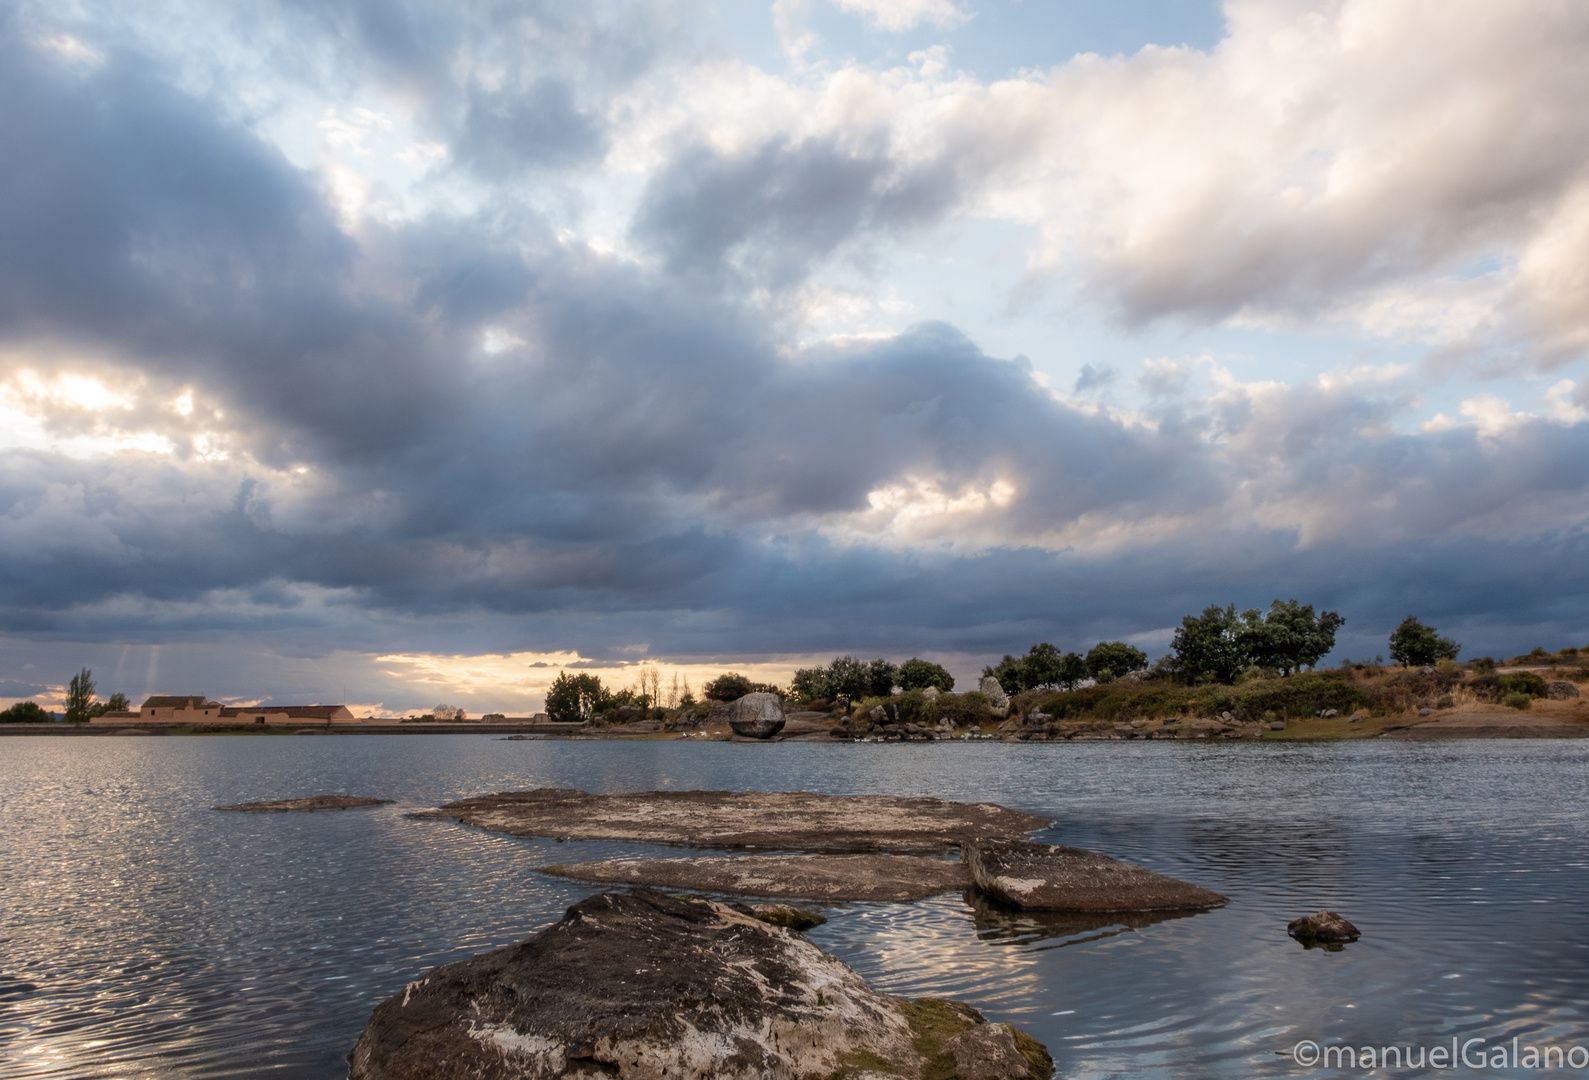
(1509, 724)
(786, 820)
(1043, 877)
(313, 802)
(898, 878)
(642, 986)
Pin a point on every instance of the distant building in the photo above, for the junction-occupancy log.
(198, 709)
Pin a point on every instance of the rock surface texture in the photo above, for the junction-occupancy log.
(757, 716)
(898, 878)
(314, 802)
(1560, 690)
(643, 986)
(786, 820)
(1322, 928)
(1041, 877)
(995, 694)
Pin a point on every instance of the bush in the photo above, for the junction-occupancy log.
(1522, 682)
(26, 712)
(573, 698)
(1518, 701)
(1484, 665)
(847, 679)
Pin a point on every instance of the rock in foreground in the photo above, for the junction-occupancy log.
(784, 820)
(1041, 877)
(643, 986)
(757, 716)
(1323, 928)
(313, 802)
(897, 878)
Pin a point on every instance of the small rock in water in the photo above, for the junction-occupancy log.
(1324, 928)
(314, 802)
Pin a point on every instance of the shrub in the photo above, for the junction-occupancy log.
(573, 698)
(1446, 701)
(1518, 701)
(26, 712)
(1484, 665)
(1522, 682)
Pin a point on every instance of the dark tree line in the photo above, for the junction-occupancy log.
(1044, 665)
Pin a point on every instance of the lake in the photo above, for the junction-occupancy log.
(143, 934)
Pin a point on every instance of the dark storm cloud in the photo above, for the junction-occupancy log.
(646, 463)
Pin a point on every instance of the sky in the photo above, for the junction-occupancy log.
(397, 353)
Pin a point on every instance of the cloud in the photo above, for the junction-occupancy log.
(900, 15)
(237, 413)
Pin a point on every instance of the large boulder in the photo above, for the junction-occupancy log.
(1043, 877)
(643, 986)
(757, 716)
(995, 694)
(1560, 690)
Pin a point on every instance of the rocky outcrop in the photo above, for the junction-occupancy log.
(1042, 877)
(1501, 724)
(757, 716)
(314, 802)
(644, 986)
(785, 915)
(897, 878)
(1560, 690)
(995, 694)
(781, 820)
(1322, 928)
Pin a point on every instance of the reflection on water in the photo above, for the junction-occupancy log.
(144, 935)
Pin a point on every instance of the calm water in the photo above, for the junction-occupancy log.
(143, 934)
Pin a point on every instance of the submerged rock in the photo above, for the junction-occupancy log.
(757, 716)
(898, 878)
(313, 802)
(1322, 928)
(785, 915)
(644, 986)
(785, 820)
(1043, 877)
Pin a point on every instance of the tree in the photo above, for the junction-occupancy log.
(79, 696)
(881, 678)
(1072, 669)
(1210, 644)
(1108, 660)
(1414, 644)
(730, 686)
(1293, 637)
(26, 712)
(1011, 673)
(117, 702)
(573, 698)
(915, 674)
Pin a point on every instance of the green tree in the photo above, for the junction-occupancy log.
(79, 697)
(811, 684)
(1294, 637)
(1072, 669)
(1039, 667)
(881, 678)
(573, 698)
(26, 712)
(1210, 644)
(1108, 660)
(730, 686)
(1011, 673)
(915, 674)
(1414, 644)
